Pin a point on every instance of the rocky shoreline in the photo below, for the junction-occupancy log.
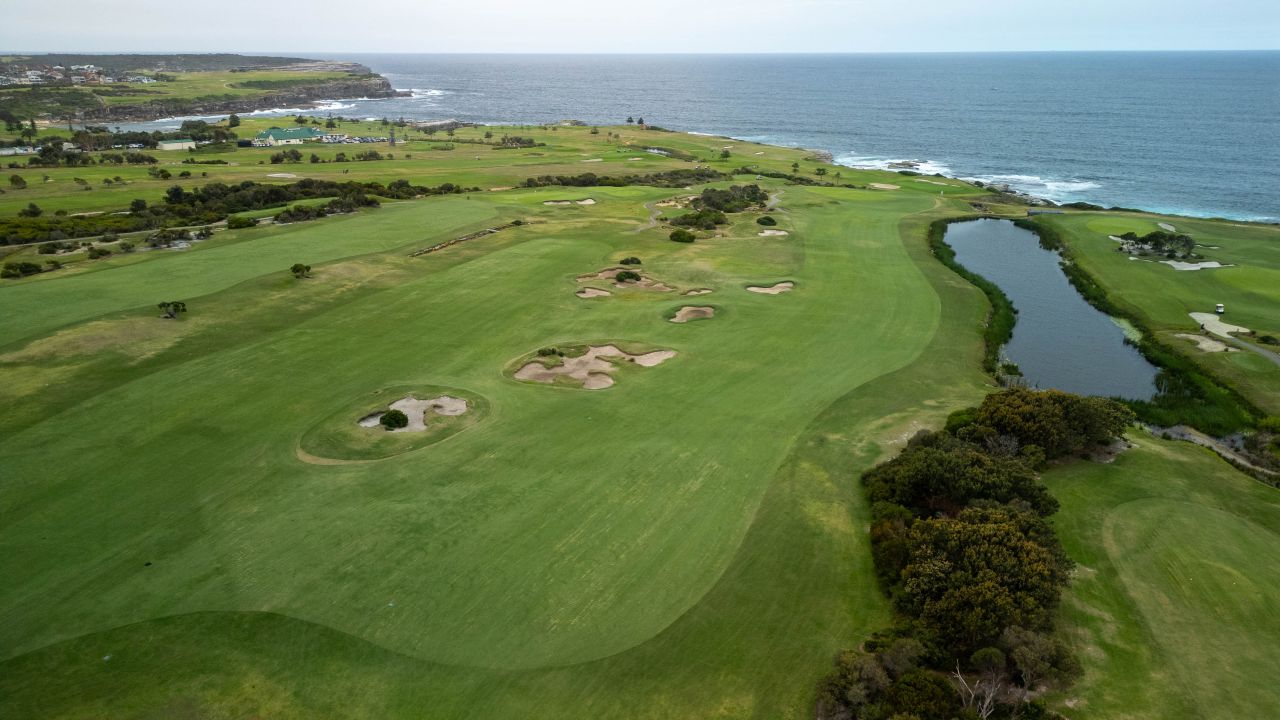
(371, 86)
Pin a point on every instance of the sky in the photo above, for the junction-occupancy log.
(314, 27)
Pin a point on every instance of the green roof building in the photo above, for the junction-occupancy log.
(286, 136)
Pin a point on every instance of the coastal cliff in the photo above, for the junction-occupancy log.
(369, 86)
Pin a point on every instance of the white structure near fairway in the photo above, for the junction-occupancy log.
(179, 144)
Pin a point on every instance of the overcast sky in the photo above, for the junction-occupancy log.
(317, 27)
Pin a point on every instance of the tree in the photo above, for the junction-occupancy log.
(820, 171)
(393, 419)
(300, 271)
(17, 182)
(766, 220)
(301, 120)
(795, 167)
(970, 577)
(233, 120)
(31, 211)
(681, 235)
(724, 154)
(171, 308)
(630, 120)
(138, 205)
(640, 122)
(330, 124)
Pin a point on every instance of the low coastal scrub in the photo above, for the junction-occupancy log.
(337, 206)
(963, 547)
(670, 179)
(202, 205)
(704, 219)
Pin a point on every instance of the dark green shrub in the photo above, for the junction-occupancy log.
(393, 419)
(630, 261)
(705, 219)
(237, 222)
(627, 276)
(683, 236)
(766, 220)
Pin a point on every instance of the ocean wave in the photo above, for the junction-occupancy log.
(334, 105)
(1056, 189)
(423, 92)
(865, 162)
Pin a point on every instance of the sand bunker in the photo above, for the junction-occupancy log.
(281, 175)
(1211, 322)
(590, 368)
(1179, 265)
(644, 283)
(416, 410)
(500, 188)
(587, 201)
(591, 292)
(594, 160)
(1207, 344)
(770, 233)
(777, 289)
(698, 291)
(884, 186)
(1167, 227)
(690, 312)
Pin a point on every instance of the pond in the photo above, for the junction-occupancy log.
(1060, 341)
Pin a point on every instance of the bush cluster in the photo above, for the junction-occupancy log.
(962, 544)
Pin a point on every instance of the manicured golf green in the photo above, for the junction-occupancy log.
(1172, 609)
(688, 542)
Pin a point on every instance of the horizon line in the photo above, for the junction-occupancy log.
(284, 53)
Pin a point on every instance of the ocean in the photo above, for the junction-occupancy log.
(1193, 133)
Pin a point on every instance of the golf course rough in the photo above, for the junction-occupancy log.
(194, 522)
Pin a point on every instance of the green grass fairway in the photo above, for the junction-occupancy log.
(687, 543)
(1173, 608)
(1162, 297)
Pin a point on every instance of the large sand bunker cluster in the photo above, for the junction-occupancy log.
(585, 201)
(775, 289)
(417, 410)
(591, 370)
(611, 274)
(692, 312)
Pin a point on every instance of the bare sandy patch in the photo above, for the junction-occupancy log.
(500, 188)
(884, 186)
(644, 283)
(1212, 323)
(1167, 227)
(776, 289)
(281, 175)
(772, 233)
(594, 160)
(417, 410)
(1207, 344)
(590, 292)
(1179, 265)
(698, 291)
(691, 312)
(584, 201)
(591, 369)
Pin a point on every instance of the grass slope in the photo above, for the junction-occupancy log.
(679, 544)
(1172, 607)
